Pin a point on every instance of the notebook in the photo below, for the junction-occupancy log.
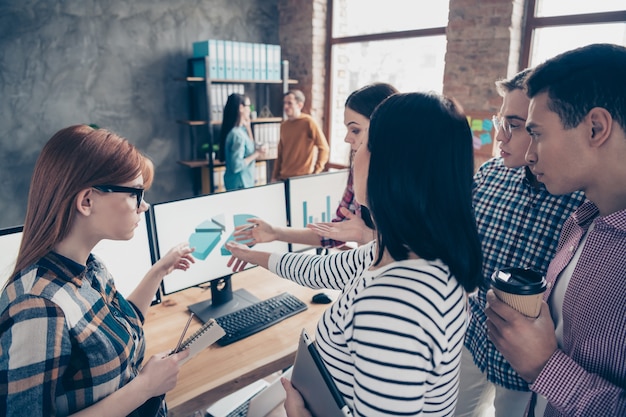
(311, 378)
(209, 333)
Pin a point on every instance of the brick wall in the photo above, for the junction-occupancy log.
(302, 35)
(483, 45)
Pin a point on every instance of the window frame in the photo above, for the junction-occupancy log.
(536, 22)
(332, 41)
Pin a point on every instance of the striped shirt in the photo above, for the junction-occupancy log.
(67, 338)
(519, 226)
(587, 376)
(392, 341)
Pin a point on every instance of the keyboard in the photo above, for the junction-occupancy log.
(241, 411)
(259, 316)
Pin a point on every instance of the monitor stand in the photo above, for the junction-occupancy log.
(223, 300)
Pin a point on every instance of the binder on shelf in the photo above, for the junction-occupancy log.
(249, 61)
(220, 56)
(212, 51)
(200, 49)
(257, 64)
(237, 60)
(228, 60)
(263, 58)
(273, 62)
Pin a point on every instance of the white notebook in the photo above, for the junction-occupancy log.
(204, 337)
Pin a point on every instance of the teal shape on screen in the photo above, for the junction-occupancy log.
(203, 242)
(238, 220)
(210, 226)
(207, 236)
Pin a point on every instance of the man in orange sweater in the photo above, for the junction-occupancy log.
(303, 148)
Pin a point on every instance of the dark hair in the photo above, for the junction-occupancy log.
(419, 183)
(365, 99)
(578, 80)
(230, 119)
(516, 82)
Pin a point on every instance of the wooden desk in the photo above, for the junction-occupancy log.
(218, 371)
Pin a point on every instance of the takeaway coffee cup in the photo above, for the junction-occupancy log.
(520, 288)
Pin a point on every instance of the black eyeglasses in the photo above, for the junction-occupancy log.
(501, 123)
(137, 192)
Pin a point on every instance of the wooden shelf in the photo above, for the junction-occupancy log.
(233, 81)
(192, 122)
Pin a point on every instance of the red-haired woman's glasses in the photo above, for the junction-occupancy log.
(137, 192)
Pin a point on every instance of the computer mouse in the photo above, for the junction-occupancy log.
(321, 298)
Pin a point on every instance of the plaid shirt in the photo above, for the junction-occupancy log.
(519, 226)
(587, 375)
(348, 201)
(67, 338)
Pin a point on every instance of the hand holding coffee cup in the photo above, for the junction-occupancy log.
(520, 288)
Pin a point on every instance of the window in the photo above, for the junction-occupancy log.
(555, 26)
(372, 42)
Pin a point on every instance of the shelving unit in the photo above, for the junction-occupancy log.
(203, 128)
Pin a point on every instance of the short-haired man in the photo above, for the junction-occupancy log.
(303, 148)
(518, 222)
(574, 354)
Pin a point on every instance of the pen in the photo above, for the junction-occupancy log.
(183, 334)
(248, 227)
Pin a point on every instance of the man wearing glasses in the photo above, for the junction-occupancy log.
(519, 224)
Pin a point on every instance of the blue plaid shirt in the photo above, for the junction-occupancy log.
(67, 339)
(519, 225)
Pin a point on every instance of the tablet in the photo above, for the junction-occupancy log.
(311, 378)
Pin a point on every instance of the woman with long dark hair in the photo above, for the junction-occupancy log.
(392, 340)
(237, 148)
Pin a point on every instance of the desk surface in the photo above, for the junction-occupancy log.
(218, 371)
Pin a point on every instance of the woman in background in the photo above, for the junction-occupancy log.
(350, 224)
(69, 342)
(237, 147)
(392, 341)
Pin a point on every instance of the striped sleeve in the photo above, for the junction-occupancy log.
(323, 271)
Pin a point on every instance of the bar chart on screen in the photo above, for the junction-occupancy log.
(314, 198)
(315, 217)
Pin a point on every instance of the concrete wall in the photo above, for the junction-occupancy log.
(112, 63)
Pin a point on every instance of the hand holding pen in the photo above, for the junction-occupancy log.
(182, 335)
(255, 231)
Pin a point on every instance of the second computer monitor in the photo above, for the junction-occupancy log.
(314, 199)
(10, 240)
(207, 222)
(128, 261)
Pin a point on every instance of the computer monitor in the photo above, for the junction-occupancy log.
(207, 222)
(10, 240)
(128, 261)
(314, 198)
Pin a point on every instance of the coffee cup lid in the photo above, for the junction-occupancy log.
(522, 281)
